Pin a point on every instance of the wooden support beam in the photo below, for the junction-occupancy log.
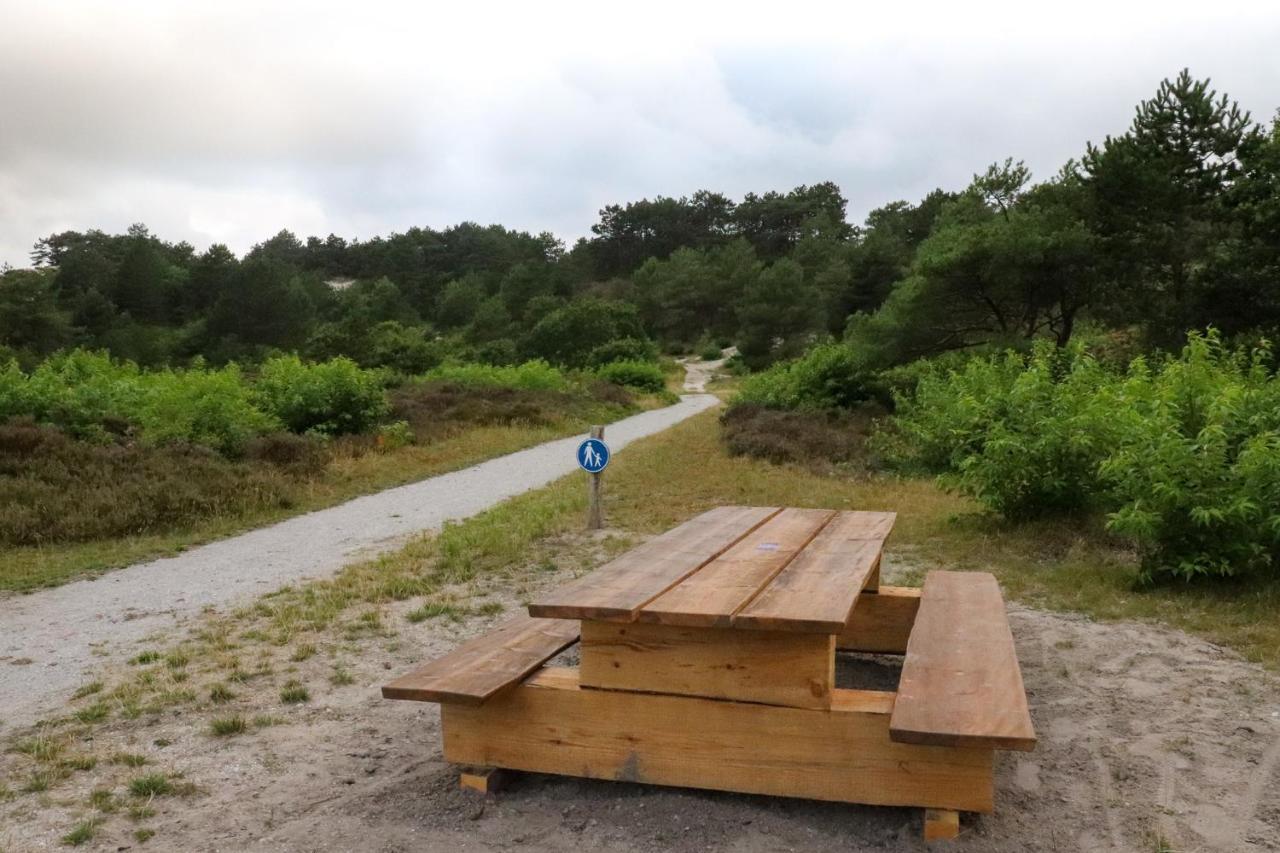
(549, 724)
(777, 668)
(483, 780)
(881, 621)
(941, 824)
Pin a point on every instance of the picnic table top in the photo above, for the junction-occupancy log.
(753, 568)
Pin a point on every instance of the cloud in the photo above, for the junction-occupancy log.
(228, 121)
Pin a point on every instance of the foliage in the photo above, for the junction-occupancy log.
(828, 376)
(55, 489)
(534, 375)
(1023, 434)
(642, 375)
(1183, 454)
(811, 438)
(334, 397)
(567, 336)
(623, 349)
(1196, 473)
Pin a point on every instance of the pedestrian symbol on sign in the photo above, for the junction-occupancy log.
(593, 455)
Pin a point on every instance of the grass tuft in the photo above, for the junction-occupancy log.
(294, 693)
(150, 785)
(227, 726)
(80, 833)
(220, 693)
(129, 759)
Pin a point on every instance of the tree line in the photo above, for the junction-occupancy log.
(1172, 225)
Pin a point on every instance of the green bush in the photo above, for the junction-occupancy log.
(93, 397)
(332, 397)
(623, 349)
(641, 375)
(534, 375)
(829, 376)
(1023, 434)
(1183, 455)
(1196, 473)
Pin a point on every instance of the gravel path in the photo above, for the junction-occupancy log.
(51, 638)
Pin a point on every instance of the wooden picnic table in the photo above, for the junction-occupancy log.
(707, 659)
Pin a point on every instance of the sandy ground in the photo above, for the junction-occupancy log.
(1144, 733)
(53, 638)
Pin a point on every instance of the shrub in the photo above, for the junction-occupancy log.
(534, 375)
(829, 376)
(332, 397)
(1024, 435)
(623, 349)
(55, 489)
(1196, 472)
(213, 408)
(814, 439)
(711, 352)
(641, 375)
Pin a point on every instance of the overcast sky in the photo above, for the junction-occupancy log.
(220, 121)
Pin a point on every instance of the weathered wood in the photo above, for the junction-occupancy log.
(595, 501)
(618, 589)
(941, 824)
(710, 597)
(549, 725)
(751, 666)
(486, 665)
(816, 591)
(881, 621)
(483, 780)
(960, 684)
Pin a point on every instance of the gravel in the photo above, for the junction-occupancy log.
(51, 638)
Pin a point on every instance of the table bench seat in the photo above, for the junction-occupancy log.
(487, 665)
(960, 684)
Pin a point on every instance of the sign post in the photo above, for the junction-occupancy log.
(593, 456)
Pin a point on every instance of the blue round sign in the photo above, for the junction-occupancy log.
(593, 455)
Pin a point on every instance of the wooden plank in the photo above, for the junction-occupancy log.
(817, 590)
(619, 588)
(549, 725)
(750, 666)
(960, 684)
(941, 824)
(482, 667)
(710, 597)
(881, 621)
(483, 780)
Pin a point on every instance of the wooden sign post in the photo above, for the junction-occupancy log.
(595, 506)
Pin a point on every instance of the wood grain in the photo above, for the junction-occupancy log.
(618, 589)
(710, 597)
(816, 591)
(881, 621)
(549, 725)
(797, 670)
(480, 668)
(960, 684)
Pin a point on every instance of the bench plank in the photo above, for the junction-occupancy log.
(619, 588)
(711, 597)
(484, 666)
(817, 590)
(960, 684)
(549, 724)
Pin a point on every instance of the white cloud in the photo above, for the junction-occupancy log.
(228, 121)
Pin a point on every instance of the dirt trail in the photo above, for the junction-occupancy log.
(1145, 734)
(53, 638)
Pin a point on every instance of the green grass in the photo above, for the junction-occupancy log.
(142, 834)
(150, 785)
(220, 693)
(80, 833)
(129, 759)
(227, 726)
(294, 693)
